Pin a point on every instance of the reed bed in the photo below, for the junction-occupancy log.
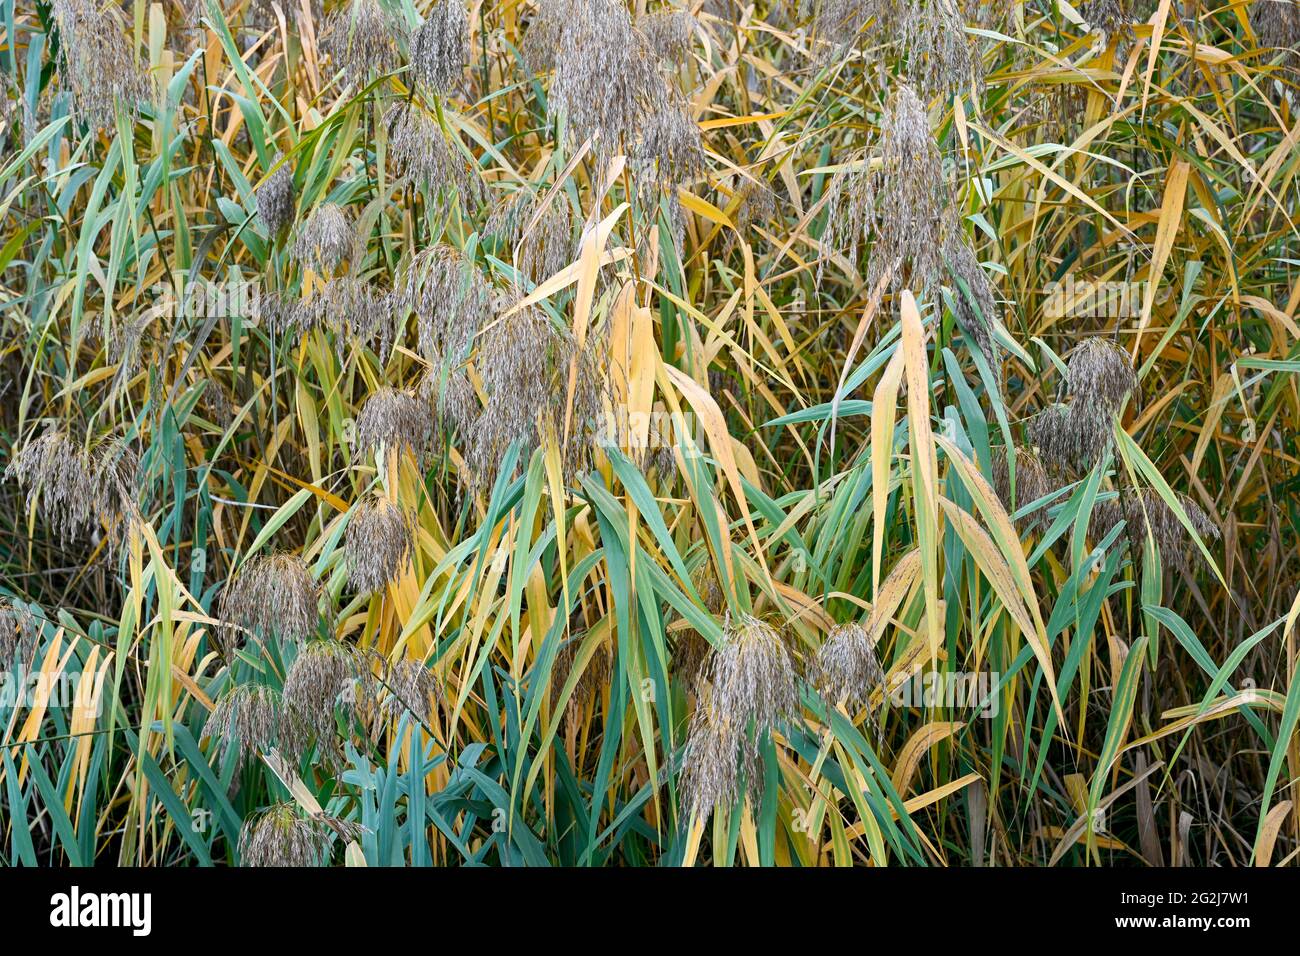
(589, 432)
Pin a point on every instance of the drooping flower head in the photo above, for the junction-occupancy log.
(667, 156)
(274, 596)
(1277, 24)
(96, 61)
(977, 309)
(326, 240)
(377, 544)
(897, 197)
(359, 36)
(668, 34)
(275, 203)
(752, 686)
(847, 666)
(83, 491)
(938, 53)
(247, 721)
(537, 231)
(440, 46)
(606, 78)
(18, 635)
(394, 420)
(1031, 482)
(452, 396)
(413, 689)
(328, 677)
(1145, 510)
(450, 297)
(284, 836)
(422, 151)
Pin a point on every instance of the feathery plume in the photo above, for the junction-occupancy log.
(376, 544)
(326, 239)
(395, 419)
(414, 689)
(1107, 15)
(524, 363)
(710, 765)
(246, 721)
(1101, 372)
(976, 309)
(96, 61)
(275, 204)
(847, 667)
(668, 155)
(451, 300)
(359, 37)
(752, 677)
(539, 237)
(422, 151)
(606, 78)
(1277, 25)
(452, 395)
(1145, 510)
(690, 654)
(282, 837)
(440, 46)
(838, 22)
(589, 682)
(939, 56)
(668, 34)
(274, 596)
(902, 201)
(328, 675)
(1032, 482)
(82, 491)
(18, 635)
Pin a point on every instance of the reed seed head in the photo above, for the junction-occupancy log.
(710, 765)
(359, 37)
(1145, 510)
(453, 397)
(395, 419)
(539, 236)
(589, 682)
(667, 156)
(82, 491)
(1277, 25)
(275, 202)
(284, 837)
(1032, 482)
(377, 544)
(274, 596)
(413, 689)
(939, 56)
(328, 676)
(977, 309)
(847, 666)
(668, 34)
(450, 297)
(440, 46)
(97, 63)
(753, 677)
(1101, 372)
(606, 78)
(422, 151)
(326, 240)
(18, 635)
(901, 199)
(246, 722)
(1072, 437)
